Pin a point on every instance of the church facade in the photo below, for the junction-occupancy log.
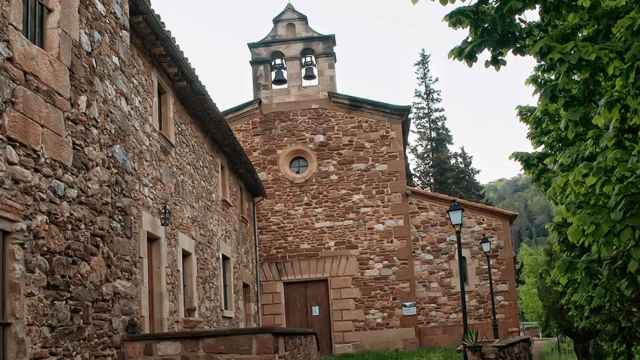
(345, 246)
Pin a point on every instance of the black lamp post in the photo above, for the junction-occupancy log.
(456, 215)
(485, 244)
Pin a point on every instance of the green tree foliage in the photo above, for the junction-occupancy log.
(465, 184)
(435, 167)
(532, 262)
(557, 317)
(432, 169)
(585, 130)
(522, 196)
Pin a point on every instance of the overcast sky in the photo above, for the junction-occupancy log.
(378, 43)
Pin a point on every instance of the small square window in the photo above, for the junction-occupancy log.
(33, 21)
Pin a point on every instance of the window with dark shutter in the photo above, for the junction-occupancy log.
(33, 21)
(226, 283)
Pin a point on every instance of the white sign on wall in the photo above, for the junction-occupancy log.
(409, 309)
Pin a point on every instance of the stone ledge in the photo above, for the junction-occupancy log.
(198, 334)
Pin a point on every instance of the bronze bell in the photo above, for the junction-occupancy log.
(279, 78)
(309, 74)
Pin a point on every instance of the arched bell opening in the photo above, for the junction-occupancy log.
(279, 76)
(309, 68)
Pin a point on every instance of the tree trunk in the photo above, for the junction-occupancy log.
(582, 349)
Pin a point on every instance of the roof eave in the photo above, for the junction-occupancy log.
(206, 114)
(268, 43)
(510, 215)
(401, 111)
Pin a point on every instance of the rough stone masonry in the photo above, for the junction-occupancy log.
(103, 125)
(127, 203)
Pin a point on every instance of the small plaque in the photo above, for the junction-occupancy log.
(409, 309)
(315, 310)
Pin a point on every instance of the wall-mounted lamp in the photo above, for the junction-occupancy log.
(165, 215)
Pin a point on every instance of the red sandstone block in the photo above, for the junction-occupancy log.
(267, 299)
(338, 338)
(336, 294)
(14, 73)
(57, 147)
(22, 129)
(341, 282)
(37, 109)
(345, 304)
(32, 59)
(275, 309)
(353, 315)
(270, 287)
(268, 320)
(237, 345)
(351, 337)
(343, 326)
(352, 293)
(265, 344)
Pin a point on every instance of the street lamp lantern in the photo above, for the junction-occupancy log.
(165, 215)
(485, 244)
(456, 214)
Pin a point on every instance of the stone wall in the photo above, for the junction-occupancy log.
(514, 348)
(83, 175)
(345, 222)
(439, 319)
(249, 344)
(353, 221)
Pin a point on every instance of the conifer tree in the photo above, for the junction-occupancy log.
(435, 167)
(464, 184)
(430, 150)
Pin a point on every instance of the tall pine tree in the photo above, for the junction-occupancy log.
(435, 168)
(432, 160)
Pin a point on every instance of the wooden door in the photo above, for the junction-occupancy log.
(307, 307)
(246, 300)
(152, 263)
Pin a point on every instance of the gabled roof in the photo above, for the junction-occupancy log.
(303, 30)
(288, 14)
(401, 111)
(465, 203)
(166, 53)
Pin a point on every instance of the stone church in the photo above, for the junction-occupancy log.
(344, 243)
(133, 210)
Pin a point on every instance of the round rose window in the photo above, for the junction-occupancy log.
(299, 165)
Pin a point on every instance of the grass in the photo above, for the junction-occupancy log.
(424, 354)
(550, 351)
